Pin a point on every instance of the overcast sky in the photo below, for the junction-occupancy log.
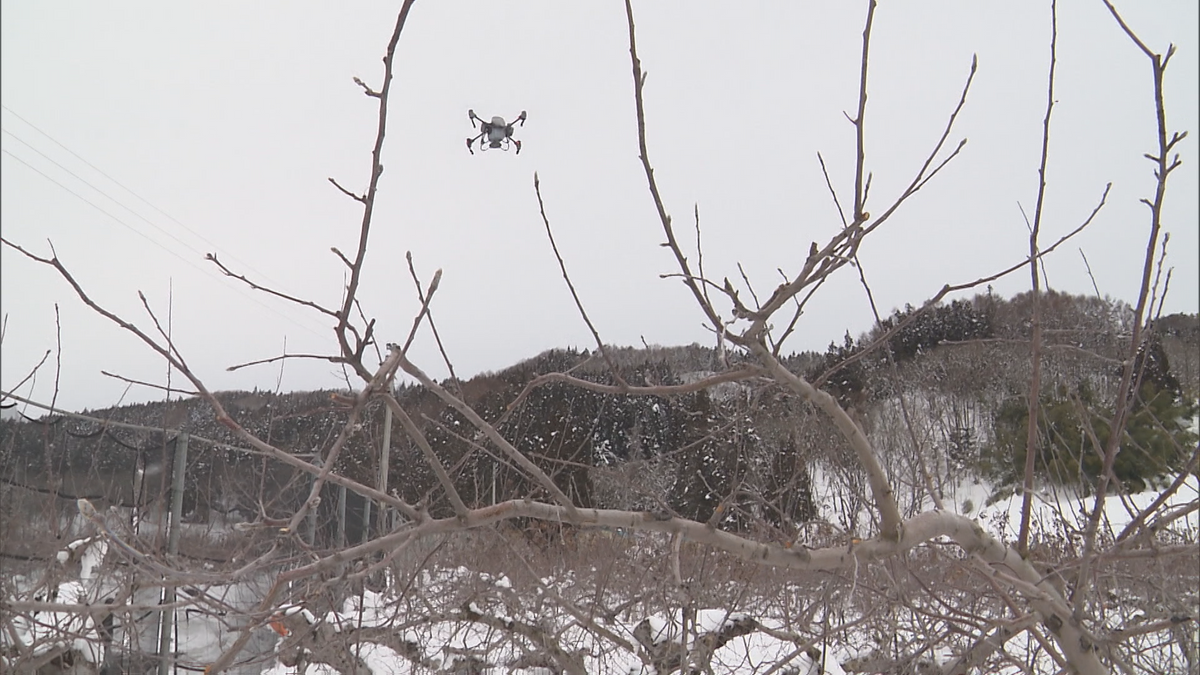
(139, 136)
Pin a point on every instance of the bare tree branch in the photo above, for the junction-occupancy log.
(1035, 346)
(212, 257)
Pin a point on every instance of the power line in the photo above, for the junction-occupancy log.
(140, 198)
(215, 247)
(92, 204)
(85, 182)
(191, 264)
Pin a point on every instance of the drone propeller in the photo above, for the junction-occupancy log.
(520, 118)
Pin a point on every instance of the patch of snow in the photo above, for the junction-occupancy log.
(92, 557)
(60, 630)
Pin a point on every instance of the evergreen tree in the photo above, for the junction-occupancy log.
(1074, 428)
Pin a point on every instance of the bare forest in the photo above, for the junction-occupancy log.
(978, 484)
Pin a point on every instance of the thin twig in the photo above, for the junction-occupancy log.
(1128, 386)
(412, 271)
(612, 365)
(639, 80)
(953, 288)
(356, 197)
(490, 431)
(168, 388)
(158, 326)
(904, 408)
(724, 355)
(341, 256)
(57, 355)
(860, 197)
(29, 376)
(356, 268)
(832, 192)
(285, 355)
(425, 301)
(1032, 438)
(212, 257)
(1158, 274)
(924, 175)
(439, 470)
(1091, 276)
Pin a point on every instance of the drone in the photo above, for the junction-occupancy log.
(496, 133)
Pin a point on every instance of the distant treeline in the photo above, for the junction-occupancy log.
(741, 453)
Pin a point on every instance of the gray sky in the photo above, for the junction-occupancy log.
(227, 117)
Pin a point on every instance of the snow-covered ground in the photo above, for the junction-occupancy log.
(443, 645)
(450, 638)
(52, 631)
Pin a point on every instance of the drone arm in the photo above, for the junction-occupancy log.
(472, 140)
(520, 119)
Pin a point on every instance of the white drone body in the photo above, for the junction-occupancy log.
(497, 133)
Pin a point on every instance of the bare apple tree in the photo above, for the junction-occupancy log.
(926, 581)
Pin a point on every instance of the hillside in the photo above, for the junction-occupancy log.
(952, 370)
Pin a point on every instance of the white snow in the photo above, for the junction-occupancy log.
(446, 641)
(49, 631)
(92, 557)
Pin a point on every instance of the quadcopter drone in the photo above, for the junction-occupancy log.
(496, 133)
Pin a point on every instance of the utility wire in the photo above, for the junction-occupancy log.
(140, 198)
(99, 208)
(147, 237)
(202, 270)
(85, 182)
